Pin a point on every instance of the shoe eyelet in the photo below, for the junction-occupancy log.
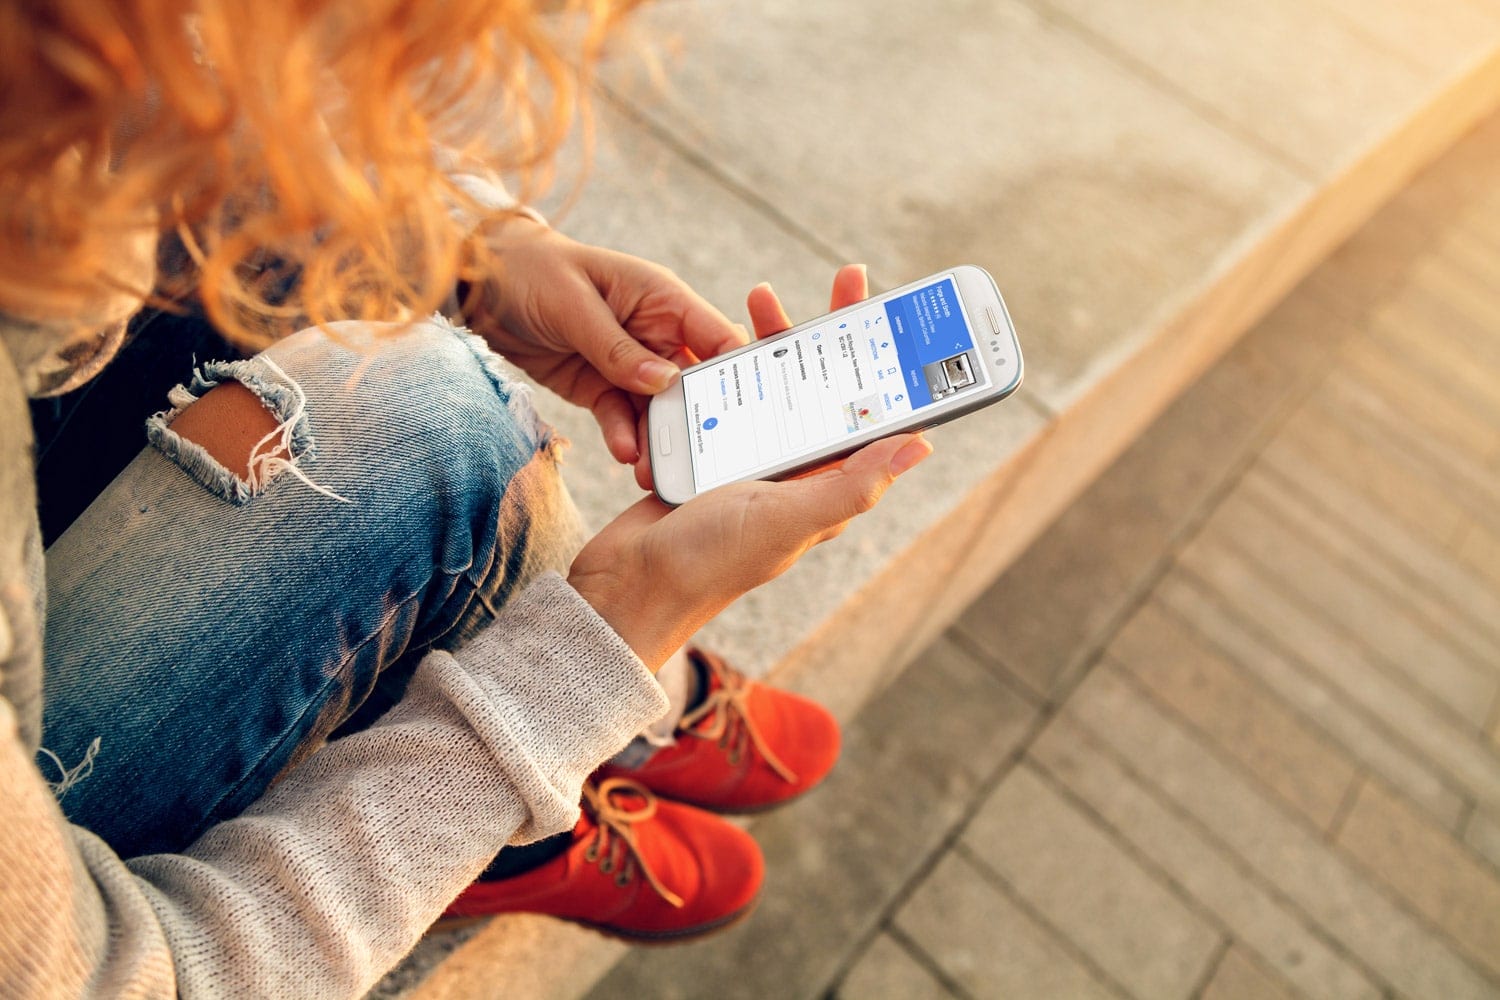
(622, 879)
(591, 854)
(607, 865)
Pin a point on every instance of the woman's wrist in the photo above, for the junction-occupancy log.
(652, 623)
(605, 593)
(491, 240)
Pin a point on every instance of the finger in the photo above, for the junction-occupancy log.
(638, 516)
(850, 285)
(653, 293)
(837, 463)
(766, 314)
(818, 470)
(617, 419)
(683, 358)
(811, 507)
(593, 330)
(643, 463)
(706, 331)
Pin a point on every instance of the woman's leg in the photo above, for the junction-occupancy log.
(206, 631)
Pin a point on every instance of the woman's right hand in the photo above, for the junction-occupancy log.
(657, 575)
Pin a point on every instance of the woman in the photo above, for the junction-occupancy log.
(364, 515)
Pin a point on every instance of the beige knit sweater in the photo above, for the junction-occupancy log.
(329, 878)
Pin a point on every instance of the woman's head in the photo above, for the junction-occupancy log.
(300, 132)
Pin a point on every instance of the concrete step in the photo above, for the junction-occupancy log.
(1145, 181)
(1177, 750)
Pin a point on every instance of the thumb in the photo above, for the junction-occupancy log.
(641, 515)
(619, 357)
(819, 505)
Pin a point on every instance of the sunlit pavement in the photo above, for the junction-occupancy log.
(1230, 728)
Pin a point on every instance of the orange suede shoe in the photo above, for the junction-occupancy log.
(638, 868)
(745, 747)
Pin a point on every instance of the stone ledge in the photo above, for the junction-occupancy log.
(893, 584)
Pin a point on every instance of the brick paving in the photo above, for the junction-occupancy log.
(1232, 727)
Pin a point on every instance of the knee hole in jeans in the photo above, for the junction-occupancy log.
(246, 416)
(231, 424)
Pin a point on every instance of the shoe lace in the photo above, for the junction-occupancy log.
(727, 709)
(615, 845)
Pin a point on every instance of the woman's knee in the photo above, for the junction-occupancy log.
(444, 434)
(416, 428)
(380, 404)
(232, 425)
(439, 423)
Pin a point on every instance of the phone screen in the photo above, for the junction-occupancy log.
(833, 381)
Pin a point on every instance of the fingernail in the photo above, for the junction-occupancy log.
(910, 455)
(657, 373)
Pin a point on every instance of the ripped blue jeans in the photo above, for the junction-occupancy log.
(205, 631)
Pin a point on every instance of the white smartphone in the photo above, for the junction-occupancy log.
(905, 360)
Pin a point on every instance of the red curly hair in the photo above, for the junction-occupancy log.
(300, 132)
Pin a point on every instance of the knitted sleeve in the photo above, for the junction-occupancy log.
(331, 877)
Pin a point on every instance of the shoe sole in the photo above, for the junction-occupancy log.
(629, 937)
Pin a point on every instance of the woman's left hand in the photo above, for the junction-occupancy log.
(602, 329)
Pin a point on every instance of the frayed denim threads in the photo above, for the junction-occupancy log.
(210, 642)
(278, 393)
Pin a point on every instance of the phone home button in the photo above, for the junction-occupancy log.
(664, 440)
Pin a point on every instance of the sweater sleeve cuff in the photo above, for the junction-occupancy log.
(570, 691)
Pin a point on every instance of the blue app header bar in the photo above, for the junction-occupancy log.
(927, 325)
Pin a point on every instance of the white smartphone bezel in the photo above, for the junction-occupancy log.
(995, 344)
